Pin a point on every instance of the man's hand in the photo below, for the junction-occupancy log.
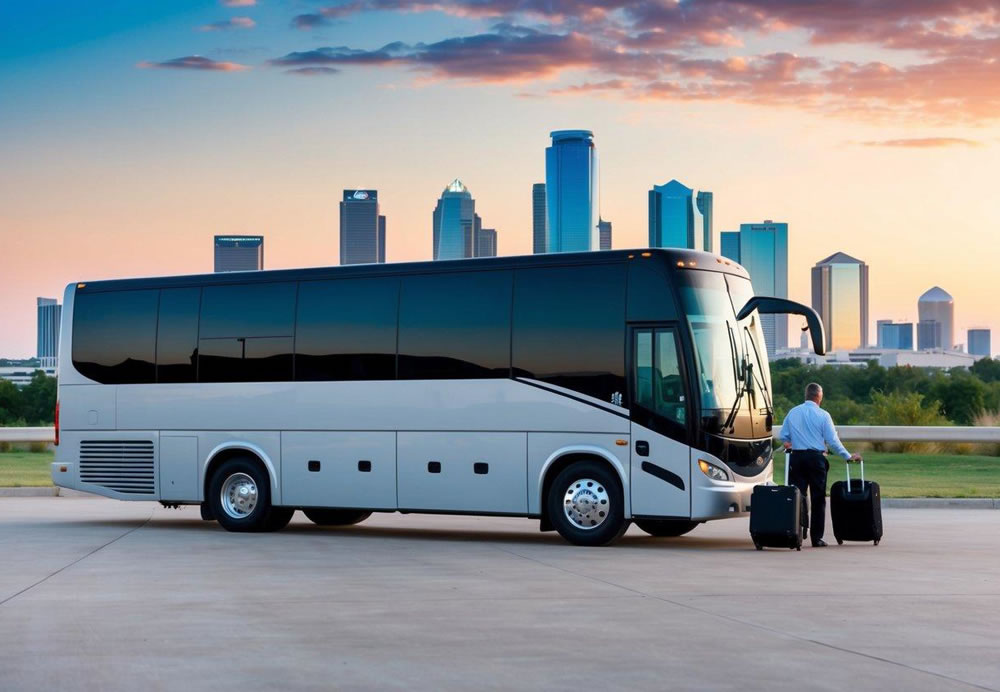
(788, 446)
(855, 458)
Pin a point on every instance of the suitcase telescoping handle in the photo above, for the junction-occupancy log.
(848, 467)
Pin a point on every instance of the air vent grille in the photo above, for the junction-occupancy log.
(125, 466)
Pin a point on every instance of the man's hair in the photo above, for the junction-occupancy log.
(813, 391)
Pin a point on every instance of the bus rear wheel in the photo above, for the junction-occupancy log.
(665, 528)
(239, 495)
(586, 504)
(335, 517)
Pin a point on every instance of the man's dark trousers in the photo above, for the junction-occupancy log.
(808, 470)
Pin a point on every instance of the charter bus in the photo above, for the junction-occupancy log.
(585, 390)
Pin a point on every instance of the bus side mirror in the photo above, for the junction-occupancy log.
(766, 305)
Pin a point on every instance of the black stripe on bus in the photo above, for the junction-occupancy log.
(664, 475)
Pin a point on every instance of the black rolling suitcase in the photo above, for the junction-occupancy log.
(856, 509)
(777, 517)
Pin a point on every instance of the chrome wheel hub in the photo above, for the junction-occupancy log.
(586, 503)
(239, 495)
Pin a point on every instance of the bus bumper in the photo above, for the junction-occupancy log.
(711, 499)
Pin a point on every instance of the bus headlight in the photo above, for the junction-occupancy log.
(712, 471)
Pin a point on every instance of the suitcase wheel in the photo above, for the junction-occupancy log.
(840, 541)
(798, 547)
(757, 545)
(876, 542)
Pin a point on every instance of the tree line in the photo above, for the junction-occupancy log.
(35, 404)
(863, 395)
(875, 395)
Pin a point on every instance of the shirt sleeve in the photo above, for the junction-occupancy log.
(832, 440)
(786, 429)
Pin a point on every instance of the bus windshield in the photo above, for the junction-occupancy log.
(732, 373)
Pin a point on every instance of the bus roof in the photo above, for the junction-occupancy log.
(674, 258)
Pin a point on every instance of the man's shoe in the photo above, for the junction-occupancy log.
(819, 544)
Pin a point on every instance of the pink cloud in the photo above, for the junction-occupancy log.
(924, 142)
(193, 62)
(231, 23)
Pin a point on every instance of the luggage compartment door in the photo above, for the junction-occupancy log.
(339, 469)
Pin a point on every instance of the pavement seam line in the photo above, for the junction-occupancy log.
(78, 560)
(750, 624)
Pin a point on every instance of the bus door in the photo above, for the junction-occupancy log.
(660, 457)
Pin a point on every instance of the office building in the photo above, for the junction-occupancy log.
(979, 342)
(762, 249)
(604, 234)
(937, 306)
(840, 296)
(928, 335)
(674, 217)
(455, 223)
(487, 243)
(704, 203)
(49, 316)
(239, 253)
(381, 239)
(729, 244)
(362, 228)
(572, 192)
(891, 335)
(538, 218)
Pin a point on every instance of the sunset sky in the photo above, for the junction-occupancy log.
(132, 132)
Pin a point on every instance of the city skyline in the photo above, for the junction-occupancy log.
(115, 135)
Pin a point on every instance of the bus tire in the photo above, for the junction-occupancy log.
(666, 528)
(586, 504)
(239, 495)
(335, 517)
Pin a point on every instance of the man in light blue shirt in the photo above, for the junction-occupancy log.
(807, 432)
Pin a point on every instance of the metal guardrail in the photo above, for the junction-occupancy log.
(28, 434)
(848, 433)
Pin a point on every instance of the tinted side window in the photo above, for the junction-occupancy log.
(114, 336)
(177, 335)
(246, 333)
(454, 326)
(569, 328)
(346, 329)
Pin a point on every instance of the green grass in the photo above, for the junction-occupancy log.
(19, 469)
(900, 475)
(919, 475)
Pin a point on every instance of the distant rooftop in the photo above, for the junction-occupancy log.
(456, 186)
(561, 135)
(839, 258)
(936, 295)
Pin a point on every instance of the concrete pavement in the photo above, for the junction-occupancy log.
(99, 594)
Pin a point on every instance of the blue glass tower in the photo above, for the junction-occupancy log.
(455, 223)
(675, 219)
(762, 249)
(979, 342)
(894, 335)
(572, 195)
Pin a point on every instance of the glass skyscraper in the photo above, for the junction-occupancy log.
(704, 202)
(487, 243)
(840, 296)
(604, 231)
(239, 253)
(572, 192)
(762, 249)
(362, 228)
(675, 219)
(894, 335)
(937, 305)
(49, 315)
(979, 342)
(538, 219)
(455, 223)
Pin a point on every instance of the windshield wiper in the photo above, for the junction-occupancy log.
(738, 373)
(761, 382)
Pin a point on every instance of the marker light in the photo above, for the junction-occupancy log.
(712, 471)
(680, 263)
(647, 254)
(621, 443)
(80, 285)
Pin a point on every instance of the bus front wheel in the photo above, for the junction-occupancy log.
(335, 517)
(586, 504)
(240, 498)
(664, 528)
